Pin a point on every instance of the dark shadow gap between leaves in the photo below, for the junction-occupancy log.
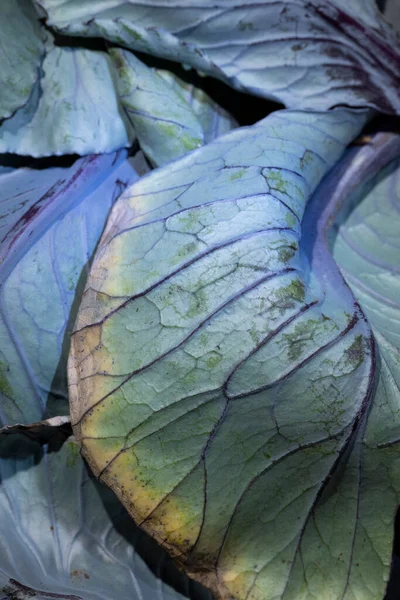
(15, 161)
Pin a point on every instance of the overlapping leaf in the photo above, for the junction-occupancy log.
(159, 106)
(166, 126)
(51, 222)
(214, 120)
(361, 500)
(21, 49)
(217, 379)
(308, 54)
(367, 250)
(63, 535)
(73, 109)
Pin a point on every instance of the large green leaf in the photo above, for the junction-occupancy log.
(311, 54)
(21, 49)
(62, 534)
(73, 109)
(218, 378)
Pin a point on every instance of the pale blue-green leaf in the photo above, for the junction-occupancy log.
(360, 502)
(165, 124)
(51, 222)
(310, 54)
(366, 246)
(214, 120)
(21, 49)
(65, 536)
(217, 377)
(73, 109)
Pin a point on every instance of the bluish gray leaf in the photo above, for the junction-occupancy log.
(165, 124)
(21, 49)
(309, 54)
(73, 109)
(65, 536)
(360, 502)
(51, 222)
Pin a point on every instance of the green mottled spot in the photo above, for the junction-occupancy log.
(190, 143)
(238, 174)
(168, 129)
(355, 353)
(245, 25)
(213, 360)
(254, 334)
(191, 377)
(289, 294)
(290, 219)
(185, 250)
(198, 305)
(297, 341)
(72, 454)
(286, 253)
(5, 387)
(306, 159)
(188, 222)
(276, 181)
(295, 290)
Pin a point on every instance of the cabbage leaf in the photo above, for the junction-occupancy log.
(308, 54)
(222, 374)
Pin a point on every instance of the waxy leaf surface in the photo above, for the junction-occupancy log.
(51, 222)
(62, 534)
(217, 377)
(166, 126)
(214, 120)
(169, 117)
(73, 108)
(310, 54)
(361, 500)
(66, 537)
(21, 50)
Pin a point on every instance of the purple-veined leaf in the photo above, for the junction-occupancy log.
(62, 535)
(362, 499)
(165, 124)
(51, 222)
(220, 376)
(309, 54)
(21, 50)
